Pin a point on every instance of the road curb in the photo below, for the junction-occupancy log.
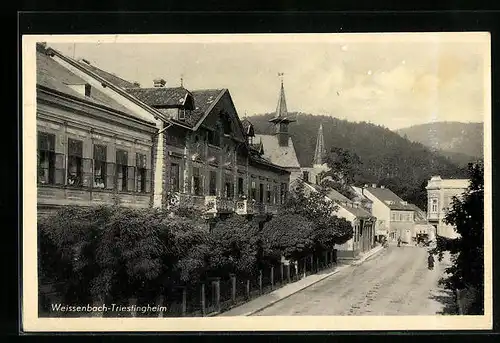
(337, 270)
(299, 290)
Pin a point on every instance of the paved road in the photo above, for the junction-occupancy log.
(396, 282)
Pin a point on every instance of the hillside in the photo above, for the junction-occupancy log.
(453, 139)
(388, 159)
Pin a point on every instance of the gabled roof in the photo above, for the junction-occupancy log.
(204, 100)
(160, 96)
(52, 75)
(390, 199)
(114, 79)
(358, 212)
(342, 201)
(284, 156)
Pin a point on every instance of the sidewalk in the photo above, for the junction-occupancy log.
(264, 301)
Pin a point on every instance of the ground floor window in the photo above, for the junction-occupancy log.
(75, 150)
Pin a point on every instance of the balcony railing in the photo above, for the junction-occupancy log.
(245, 206)
(432, 215)
(214, 204)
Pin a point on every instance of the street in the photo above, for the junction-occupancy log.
(395, 282)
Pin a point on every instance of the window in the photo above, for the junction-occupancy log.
(305, 176)
(46, 158)
(226, 123)
(240, 186)
(141, 167)
(318, 179)
(261, 192)
(283, 192)
(434, 205)
(393, 217)
(100, 166)
(174, 177)
(214, 136)
(268, 194)
(275, 193)
(228, 186)
(253, 191)
(400, 217)
(75, 148)
(212, 189)
(87, 90)
(121, 170)
(197, 186)
(181, 114)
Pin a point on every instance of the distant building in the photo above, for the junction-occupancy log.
(394, 215)
(440, 193)
(278, 148)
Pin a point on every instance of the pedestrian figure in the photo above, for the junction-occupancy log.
(430, 262)
(399, 241)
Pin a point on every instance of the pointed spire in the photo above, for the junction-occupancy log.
(320, 152)
(281, 110)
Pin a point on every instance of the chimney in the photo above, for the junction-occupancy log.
(374, 185)
(382, 187)
(159, 83)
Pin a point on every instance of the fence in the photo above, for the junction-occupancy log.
(210, 297)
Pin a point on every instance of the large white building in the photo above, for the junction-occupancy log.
(440, 193)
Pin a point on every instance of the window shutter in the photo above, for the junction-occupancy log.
(87, 172)
(59, 169)
(148, 181)
(131, 179)
(110, 175)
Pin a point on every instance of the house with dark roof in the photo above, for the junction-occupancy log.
(203, 155)
(91, 150)
(395, 216)
(362, 221)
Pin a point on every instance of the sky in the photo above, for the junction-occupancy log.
(375, 78)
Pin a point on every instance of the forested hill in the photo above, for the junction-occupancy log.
(387, 158)
(451, 138)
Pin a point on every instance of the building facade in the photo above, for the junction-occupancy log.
(394, 215)
(201, 156)
(90, 149)
(440, 193)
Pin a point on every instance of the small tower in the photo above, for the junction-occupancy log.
(281, 119)
(320, 151)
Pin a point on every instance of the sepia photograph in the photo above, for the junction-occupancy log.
(257, 182)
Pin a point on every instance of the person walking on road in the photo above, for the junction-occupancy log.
(430, 262)
(399, 241)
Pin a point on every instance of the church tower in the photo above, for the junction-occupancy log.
(320, 151)
(281, 119)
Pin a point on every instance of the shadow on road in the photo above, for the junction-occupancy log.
(447, 299)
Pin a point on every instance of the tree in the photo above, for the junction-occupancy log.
(289, 234)
(466, 215)
(344, 166)
(317, 208)
(235, 246)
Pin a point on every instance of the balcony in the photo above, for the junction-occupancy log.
(214, 204)
(245, 206)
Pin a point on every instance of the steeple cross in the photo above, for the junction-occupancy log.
(182, 80)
